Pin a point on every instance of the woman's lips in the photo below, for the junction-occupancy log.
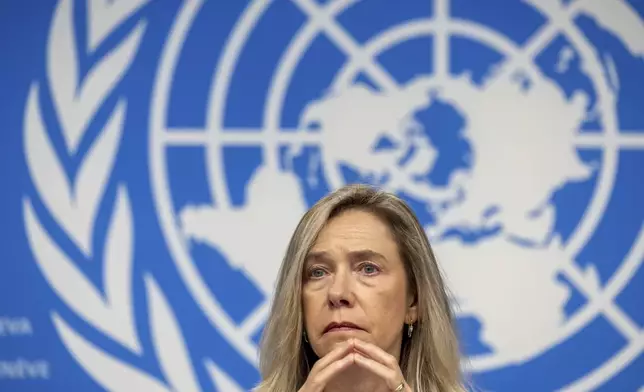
(341, 326)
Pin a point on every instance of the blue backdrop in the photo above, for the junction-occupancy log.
(157, 155)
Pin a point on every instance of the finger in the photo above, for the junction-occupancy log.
(337, 353)
(392, 377)
(319, 380)
(376, 353)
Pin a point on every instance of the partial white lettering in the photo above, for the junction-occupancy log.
(23, 369)
(15, 326)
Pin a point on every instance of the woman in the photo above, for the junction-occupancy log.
(360, 304)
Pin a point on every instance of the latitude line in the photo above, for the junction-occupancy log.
(625, 139)
(631, 139)
(347, 43)
(238, 136)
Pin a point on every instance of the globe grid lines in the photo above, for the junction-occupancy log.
(613, 313)
(271, 136)
(177, 243)
(325, 22)
(229, 138)
(340, 38)
(288, 62)
(536, 44)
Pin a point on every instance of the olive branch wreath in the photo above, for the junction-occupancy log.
(74, 203)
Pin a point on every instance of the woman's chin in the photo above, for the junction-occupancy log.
(332, 339)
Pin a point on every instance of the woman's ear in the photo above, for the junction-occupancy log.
(412, 310)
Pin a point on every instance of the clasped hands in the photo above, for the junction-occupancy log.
(356, 352)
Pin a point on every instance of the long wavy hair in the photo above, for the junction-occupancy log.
(430, 359)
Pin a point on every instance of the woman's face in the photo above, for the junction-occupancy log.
(355, 285)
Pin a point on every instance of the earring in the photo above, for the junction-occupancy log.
(410, 330)
(305, 338)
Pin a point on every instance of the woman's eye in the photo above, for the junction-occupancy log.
(316, 273)
(370, 269)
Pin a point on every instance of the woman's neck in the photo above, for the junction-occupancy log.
(356, 379)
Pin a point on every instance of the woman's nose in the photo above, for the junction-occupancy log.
(340, 290)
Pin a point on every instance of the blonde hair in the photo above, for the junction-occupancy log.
(430, 359)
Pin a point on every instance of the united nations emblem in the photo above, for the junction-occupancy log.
(512, 141)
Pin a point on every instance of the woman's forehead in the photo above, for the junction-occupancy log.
(357, 224)
(355, 234)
